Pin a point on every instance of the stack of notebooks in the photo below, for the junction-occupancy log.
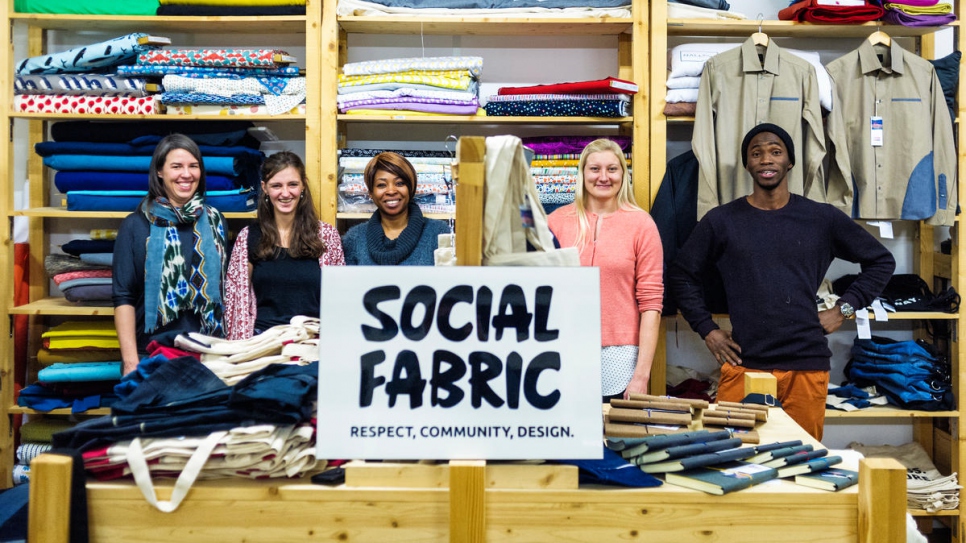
(717, 463)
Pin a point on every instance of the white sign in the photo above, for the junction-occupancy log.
(459, 363)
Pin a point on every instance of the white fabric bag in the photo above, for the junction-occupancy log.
(508, 187)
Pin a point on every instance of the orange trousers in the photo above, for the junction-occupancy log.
(802, 394)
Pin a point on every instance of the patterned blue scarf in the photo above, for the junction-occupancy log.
(168, 283)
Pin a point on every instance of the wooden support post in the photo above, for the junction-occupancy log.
(467, 501)
(48, 519)
(470, 197)
(757, 382)
(882, 497)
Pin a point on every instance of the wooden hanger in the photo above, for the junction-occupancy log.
(880, 38)
(760, 38)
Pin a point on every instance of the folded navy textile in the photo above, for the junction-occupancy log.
(140, 146)
(213, 132)
(226, 201)
(101, 295)
(230, 11)
(78, 246)
(68, 181)
(612, 469)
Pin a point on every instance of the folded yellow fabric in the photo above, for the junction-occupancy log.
(82, 342)
(938, 9)
(46, 357)
(450, 79)
(103, 233)
(43, 430)
(82, 328)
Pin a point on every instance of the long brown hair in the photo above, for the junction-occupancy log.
(305, 241)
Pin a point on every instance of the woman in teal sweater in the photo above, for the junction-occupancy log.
(397, 232)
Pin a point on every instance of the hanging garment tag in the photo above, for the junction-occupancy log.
(880, 312)
(885, 229)
(526, 214)
(862, 323)
(876, 128)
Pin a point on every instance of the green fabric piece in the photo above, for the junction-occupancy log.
(87, 7)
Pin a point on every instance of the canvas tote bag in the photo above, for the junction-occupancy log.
(509, 188)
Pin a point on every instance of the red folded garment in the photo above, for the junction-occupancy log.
(608, 85)
(810, 11)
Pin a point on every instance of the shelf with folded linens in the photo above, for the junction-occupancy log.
(45, 212)
(788, 29)
(480, 119)
(491, 25)
(888, 412)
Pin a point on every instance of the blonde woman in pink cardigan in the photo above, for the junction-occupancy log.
(620, 238)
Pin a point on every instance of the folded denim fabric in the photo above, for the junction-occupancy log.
(97, 259)
(78, 246)
(612, 469)
(99, 295)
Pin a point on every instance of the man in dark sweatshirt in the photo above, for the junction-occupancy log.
(773, 249)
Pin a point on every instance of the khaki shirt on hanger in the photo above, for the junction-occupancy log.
(912, 175)
(739, 91)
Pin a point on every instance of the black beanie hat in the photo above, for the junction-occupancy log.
(772, 129)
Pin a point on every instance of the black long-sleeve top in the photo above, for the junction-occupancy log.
(772, 263)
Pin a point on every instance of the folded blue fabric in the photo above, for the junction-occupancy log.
(76, 372)
(101, 295)
(220, 165)
(214, 132)
(85, 282)
(101, 180)
(239, 200)
(51, 148)
(99, 259)
(612, 469)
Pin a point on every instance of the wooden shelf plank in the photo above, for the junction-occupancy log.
(282, 25)
(60, 306)
(17, 410)
(887, 412)
(944, 513)
(63, 213)
(744, 28)
(480, 119)
(486, 26)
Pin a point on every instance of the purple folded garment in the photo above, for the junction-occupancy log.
(428, 108)
(562, 145)
(896, 17)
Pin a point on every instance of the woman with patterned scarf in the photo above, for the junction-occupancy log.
(397, 233)
(169, 257)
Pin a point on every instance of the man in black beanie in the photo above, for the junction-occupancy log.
(773, 249)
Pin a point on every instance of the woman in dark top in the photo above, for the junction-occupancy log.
(169, 256)
(275, 269)
(396, 233)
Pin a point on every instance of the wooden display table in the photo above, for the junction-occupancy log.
(470, 508)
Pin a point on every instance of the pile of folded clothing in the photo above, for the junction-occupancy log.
(83, 274)
(86, 79)
(555, 164)
(842, 12)
(103, 166)
(918, 12)
(224, 81)
(433, 85)
(475, 8)
(609, 97)
(35, 439)
(434, 188)
(88, 7)
(228, 8)
(926, 487)
(74, 381)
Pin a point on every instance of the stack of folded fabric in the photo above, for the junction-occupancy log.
(918, 13)
(432, 86)
(842, 12)
(433, 180)
(104, 166)
(85, 79)
(35, 438)
(476, 8)
(83, 274)
(88, 7)
(687, 62)
(555, 163)
(228, 8)
(609, 97)
(224, 81)
(926, 487)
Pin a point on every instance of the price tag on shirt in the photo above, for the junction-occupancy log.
(880, 312)
(885, 229)
(862, 323)
(876, 128)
